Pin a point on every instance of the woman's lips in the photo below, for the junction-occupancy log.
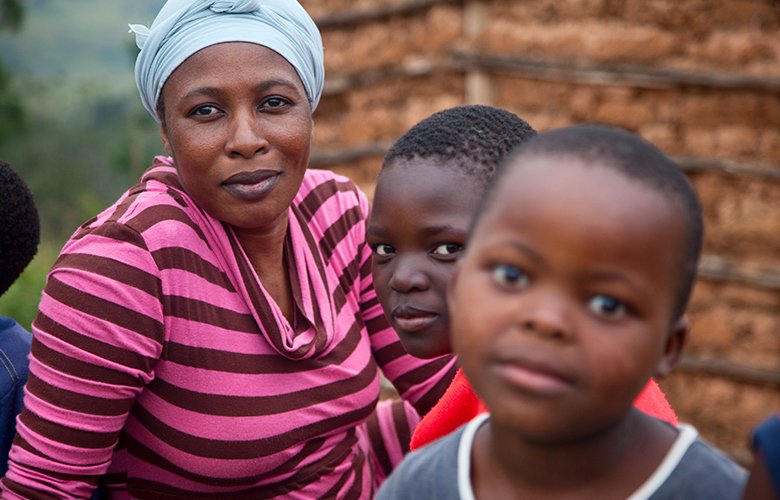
(251, 185)
(411, 319)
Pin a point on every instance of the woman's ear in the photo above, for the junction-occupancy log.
(164, 136)
(675, 341)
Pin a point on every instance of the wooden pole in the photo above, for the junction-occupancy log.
(477, 81)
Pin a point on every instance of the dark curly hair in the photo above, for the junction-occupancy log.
(474, 138)
(19, 226)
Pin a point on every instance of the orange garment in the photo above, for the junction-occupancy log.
(460, 404)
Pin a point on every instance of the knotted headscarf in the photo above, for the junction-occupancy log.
(184, 27)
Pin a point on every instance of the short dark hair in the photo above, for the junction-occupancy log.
(474, 138)
(19, 226)
(636, 159)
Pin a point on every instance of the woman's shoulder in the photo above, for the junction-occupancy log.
(154, 206)
(327, 181)
(325, 194)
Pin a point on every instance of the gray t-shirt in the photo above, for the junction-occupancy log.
(691, 470)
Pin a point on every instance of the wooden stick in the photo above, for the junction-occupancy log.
(322, 158)
(349, 18)
(688, 164)
(736, 372)
(768, 172)
(342, 84)
(719, 269)
(551, 70)
(603, 74)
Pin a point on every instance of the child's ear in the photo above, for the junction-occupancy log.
(678, 336)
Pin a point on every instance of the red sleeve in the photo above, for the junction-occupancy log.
(653, 401)
(458, 405)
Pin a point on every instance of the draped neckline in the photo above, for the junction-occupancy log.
(313, 331)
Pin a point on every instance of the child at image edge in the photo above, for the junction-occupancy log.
(428, 189)
(569, 297)
(764, 480)
(19, 237)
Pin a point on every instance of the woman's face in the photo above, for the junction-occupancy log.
(238, 125)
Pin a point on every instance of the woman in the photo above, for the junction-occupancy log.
(215, 332)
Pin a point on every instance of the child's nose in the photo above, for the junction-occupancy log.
(546, 314)
(409, 275)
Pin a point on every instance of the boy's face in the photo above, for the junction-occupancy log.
(562, 307)
(419, 222)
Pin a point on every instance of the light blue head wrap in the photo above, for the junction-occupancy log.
(184, 27)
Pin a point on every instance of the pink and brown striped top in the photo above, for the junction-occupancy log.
(161, 364)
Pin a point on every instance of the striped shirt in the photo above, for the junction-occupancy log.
(162, 367)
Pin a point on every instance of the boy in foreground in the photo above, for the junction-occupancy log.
(569, 297)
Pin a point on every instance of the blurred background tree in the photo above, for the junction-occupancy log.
(71, 122)
(11, 115)
(11, 13)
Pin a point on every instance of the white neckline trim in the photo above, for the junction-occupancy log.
(685, 438)
(465, 490)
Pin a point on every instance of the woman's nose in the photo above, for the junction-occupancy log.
(409, 275)
(246, 136)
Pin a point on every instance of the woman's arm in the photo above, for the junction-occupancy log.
(98, 334)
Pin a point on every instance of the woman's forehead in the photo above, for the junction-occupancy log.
(219, 66)
(182, 28)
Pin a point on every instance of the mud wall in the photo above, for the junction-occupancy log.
(699, 78)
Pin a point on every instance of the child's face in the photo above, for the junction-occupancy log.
(418, 227)
(563, 305)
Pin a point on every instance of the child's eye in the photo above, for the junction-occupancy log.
(605, 305)
(511, 276)
(447, 249)
(384, 250)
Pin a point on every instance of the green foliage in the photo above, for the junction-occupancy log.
(84, 37)
(71, 122)
(11, 112)
(21, 300)
(11, 13)
(82, 146)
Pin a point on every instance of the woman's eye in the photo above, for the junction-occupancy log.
(274, 102)
(448, 249)
(384, 250)
(205, 110)
(605, 305)
(511, 276)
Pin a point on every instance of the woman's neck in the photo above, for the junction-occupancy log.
(609, 464)
(264, 247)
